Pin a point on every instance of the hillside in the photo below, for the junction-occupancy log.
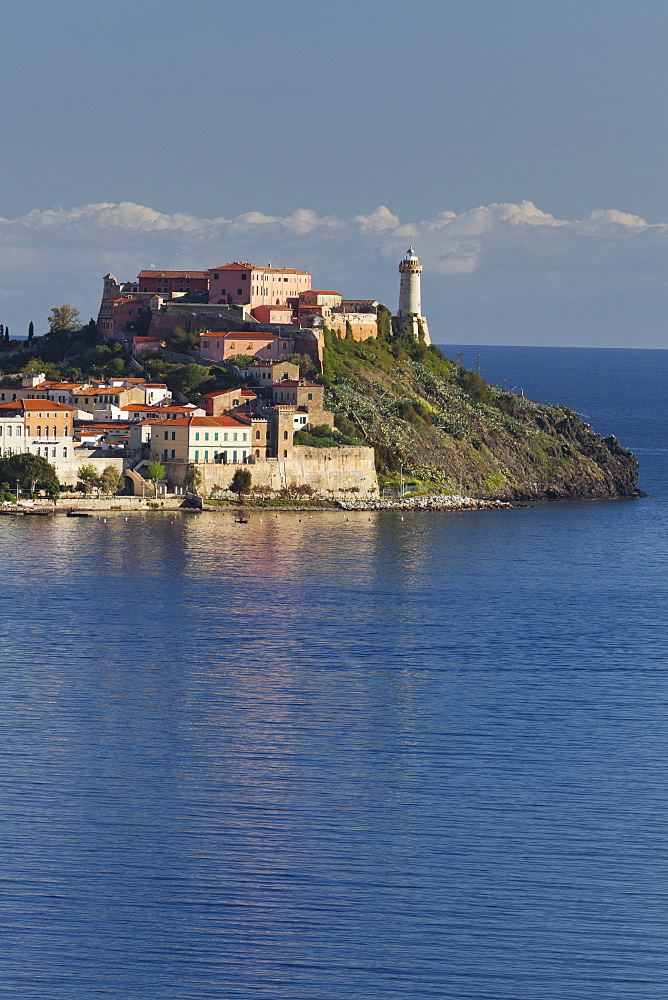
(450, 430)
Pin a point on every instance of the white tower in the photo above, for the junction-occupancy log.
(410, 306)
(410, 270)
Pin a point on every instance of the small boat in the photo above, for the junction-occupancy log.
(241, 520)
(77, 513)
(38, 513)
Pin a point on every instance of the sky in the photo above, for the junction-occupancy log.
(520, 146)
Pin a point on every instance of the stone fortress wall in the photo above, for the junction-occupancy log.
(331, 472)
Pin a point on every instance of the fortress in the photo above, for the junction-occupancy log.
(247, 299)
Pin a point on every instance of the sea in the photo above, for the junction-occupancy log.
(347, 755)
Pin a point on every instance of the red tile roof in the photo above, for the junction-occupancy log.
(36, 404)
(242, 336)
(172, 274)
(239, 266)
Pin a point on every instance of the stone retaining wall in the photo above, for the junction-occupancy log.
(331, 472)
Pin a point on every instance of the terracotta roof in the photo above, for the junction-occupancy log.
(38, 404)
(239, 266)
(203, 422)
(242, 336)
(292, 382)
(171, 274)
(145, 408)
(236, 266)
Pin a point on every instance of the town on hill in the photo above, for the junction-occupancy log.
(190, 381)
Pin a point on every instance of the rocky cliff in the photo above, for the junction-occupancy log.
(442, 424)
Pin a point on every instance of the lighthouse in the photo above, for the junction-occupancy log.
(409, 313)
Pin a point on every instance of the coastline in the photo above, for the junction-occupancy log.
(137, 505)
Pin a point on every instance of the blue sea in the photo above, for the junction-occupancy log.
(347, 756)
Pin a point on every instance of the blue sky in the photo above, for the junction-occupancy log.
(521, 144)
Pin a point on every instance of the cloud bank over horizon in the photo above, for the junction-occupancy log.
(499, 273)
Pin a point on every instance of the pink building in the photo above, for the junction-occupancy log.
(273, 314)
(221, 346)
(246, 284)
(165, 282)
(120, 315)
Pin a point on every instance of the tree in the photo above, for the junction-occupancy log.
(31, 330)
(307, 366)
(64, 317)
(87, 474)
(110, 480)
(241, 482)
(187, 379)
(32, 472)
(193, 479)
(6, 334)
(182, 340)
(155, 471)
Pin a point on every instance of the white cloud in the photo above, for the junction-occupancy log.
(514, 249)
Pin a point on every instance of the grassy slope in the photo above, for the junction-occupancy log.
(454, 431)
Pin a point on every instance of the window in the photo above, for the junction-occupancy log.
(216, 277)
(55, 432)
(285, 435)
(64, 452)
(196, 435)
(234, 437)
(9, 431)
(173, 435)
(257, 435)
(206, 435)
(243, 277)
(233, 344)
(166, 435)
(164, 453)
(173, 453)
(215, 436)
(239, 291)
(197, 456)
(39, 432)
(225, 436)
(310, 395)
(206, 456)
(285, 454)
(53, 452)
(243, 436)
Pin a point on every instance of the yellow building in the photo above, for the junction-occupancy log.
(197, 440)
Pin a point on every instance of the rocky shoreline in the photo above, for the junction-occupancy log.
(434, 502)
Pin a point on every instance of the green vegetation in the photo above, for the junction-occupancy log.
(241, 482)
(32, 472)
(430, 418)
(181, 340)
(64, 318)
(323, 436)
(193, 479)
(155, 471)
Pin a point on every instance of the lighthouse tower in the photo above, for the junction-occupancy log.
(410, 306)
